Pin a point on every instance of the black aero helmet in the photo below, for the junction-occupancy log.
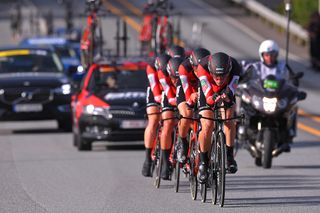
(176, 51)
(197, 55)
(219, 64)
(173, 66)
(161, 62)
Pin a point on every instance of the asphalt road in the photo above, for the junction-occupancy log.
(41, 171)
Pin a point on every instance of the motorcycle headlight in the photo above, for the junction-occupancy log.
(282, 103)
(64, 89)
(269, 104)
(93, 110)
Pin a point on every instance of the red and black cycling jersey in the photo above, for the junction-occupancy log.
(208, 85)
(188, 79)
(154, 82)
(167, 87)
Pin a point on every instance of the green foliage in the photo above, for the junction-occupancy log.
(301, 10)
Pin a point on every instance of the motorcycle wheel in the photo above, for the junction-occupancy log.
(267, 148)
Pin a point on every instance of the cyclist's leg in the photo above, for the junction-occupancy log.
(230, 132)
(204, 137)
(150, 133)
(184, 126)
(166, 141)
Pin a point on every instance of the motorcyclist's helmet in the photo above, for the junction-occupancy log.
(219, 64)
(173, 67)
(268, 46)
(197, 55)
(176, 51)
(161, 62)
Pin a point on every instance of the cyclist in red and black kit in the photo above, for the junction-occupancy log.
(168, 103)
(153, 111)
(187, 92)
(219, 75)
(176, 51)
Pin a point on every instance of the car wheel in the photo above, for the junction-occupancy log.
(65, 125)
(83, 144)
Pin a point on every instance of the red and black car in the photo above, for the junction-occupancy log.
(110, 104)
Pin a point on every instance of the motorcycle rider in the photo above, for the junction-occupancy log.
(218, 74)
(187, 92)
(153, 112)
(270, 65)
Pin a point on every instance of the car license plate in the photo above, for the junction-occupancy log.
(133, 124)
(28, 108)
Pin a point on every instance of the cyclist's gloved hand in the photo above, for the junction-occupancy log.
(227, 95)
(217, 98)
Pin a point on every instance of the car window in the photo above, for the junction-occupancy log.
(119, 80)
(29, 61)
(66, 52)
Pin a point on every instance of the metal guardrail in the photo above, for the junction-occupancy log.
(296, 31)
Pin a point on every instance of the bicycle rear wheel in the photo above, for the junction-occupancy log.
(203, 192)
(221, 171)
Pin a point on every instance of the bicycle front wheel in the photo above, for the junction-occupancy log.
(159, 160)
(221, 167)
(213, 166)
(177, 177)
(193, 168)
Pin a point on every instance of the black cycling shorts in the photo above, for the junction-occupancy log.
(180, 93)
(150, 98)
(165, 104)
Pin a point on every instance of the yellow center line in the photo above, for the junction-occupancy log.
(309, 129)
(308, 115)
(126, 18)
(131, 7)
(135, 25)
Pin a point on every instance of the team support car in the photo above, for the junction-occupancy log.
(110, 105)
(33, 86)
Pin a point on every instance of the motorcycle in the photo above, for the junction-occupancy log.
(270, 109)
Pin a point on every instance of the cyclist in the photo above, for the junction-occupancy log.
(168, 103)
(188, 96)
(176, 51)
(153, 112)
(218, 75)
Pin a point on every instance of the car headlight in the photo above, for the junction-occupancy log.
(64, 89)
(269, 104)
(94, 110)
(1, 91)
(80, 69)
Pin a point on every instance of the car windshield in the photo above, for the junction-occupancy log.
(119, 80)
(65, 52)
(29, 61)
